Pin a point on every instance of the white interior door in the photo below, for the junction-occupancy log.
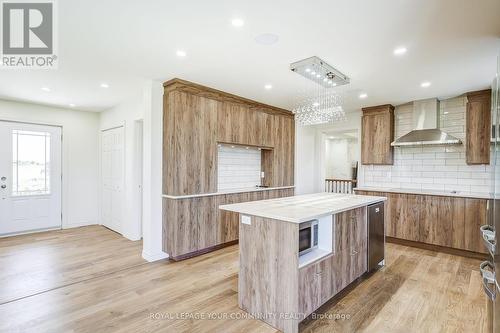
(30, 177)
(113, 155)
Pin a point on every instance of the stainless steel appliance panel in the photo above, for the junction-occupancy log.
(376, 235)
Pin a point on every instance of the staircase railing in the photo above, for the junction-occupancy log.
(334, 185)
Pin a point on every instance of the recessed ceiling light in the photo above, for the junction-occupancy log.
(268, 86)
(72, 105)
(315, 104)
(46, 89)
(400, 50)
(104, 85)
(425, 84)
(237, 22)
(267, 39)
(308, 70)
(329, 81)
(334, 84)
(313, 73)
(181, 53)
(363, 95)
(318, 76)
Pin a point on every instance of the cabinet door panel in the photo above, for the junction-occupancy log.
(359, 249)
(429, 219)
(309, 289)
(342, 253)
(191, 124)
(475, 217)
(377, 133)
(478, 127)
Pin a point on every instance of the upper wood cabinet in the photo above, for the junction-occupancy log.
(377, 133)
(189, 144)
(197, 118)
(478, 127)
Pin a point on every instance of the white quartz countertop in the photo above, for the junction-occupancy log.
(458, 194)
(301, 208)
(229, 191)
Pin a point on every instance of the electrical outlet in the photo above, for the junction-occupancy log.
(245, 219)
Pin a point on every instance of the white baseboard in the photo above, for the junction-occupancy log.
(132, 237)
(155, 256)
(79, 224)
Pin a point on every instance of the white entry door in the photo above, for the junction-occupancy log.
(113, 155)
(30, 177)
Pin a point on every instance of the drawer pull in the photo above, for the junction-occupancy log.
(488, 235)
(490, 293)
(487, 274)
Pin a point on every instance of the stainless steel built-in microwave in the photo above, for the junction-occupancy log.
(308, 236)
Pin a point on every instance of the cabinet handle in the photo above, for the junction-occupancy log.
(487, 274)
(488, 237)
(354, 252)
(490, 293)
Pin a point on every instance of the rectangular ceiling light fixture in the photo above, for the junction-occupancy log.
(317, 70)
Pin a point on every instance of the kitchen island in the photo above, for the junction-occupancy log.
(281, 287)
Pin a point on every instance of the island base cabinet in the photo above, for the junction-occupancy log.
(320, 281)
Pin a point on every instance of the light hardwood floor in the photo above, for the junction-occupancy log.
(93, 280)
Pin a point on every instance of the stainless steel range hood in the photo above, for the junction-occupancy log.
(426, 127)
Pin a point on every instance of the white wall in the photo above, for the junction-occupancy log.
(147, 107)
(126, 114)
(80, 156)
(339, 157)
(152, 173)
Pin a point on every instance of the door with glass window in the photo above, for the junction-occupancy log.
(30, 177)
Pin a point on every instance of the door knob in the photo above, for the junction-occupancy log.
(3, 186)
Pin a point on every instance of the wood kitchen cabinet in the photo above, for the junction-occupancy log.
(200, 226)
(478, 127)
(195, 120)
(322, 280)
(476, 213)
(452, 222)
(190, 145)
(402, 217)
(377, 133)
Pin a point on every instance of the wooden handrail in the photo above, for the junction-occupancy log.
(335, 185)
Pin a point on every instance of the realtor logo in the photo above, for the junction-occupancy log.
(28, 34)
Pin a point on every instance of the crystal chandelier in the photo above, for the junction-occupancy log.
(318, 102)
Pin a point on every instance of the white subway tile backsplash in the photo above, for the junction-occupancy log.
(412, 186)
(434, 161)
(434, 149)
(480, 189)
(457, 188)
(435, 187)
(445, 181)
(455, 161)
(447, 155)
(440, 168)
(238, 167)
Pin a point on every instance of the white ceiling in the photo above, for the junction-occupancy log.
(451, 43)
